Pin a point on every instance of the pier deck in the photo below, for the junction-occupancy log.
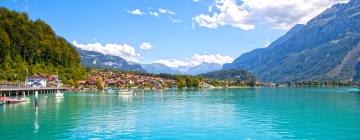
(15, 91)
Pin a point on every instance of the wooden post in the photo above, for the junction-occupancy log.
(17, 95)
(24, 94)
(36, 99)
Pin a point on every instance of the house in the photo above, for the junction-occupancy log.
(121, 83)
(43, 80)
(90, 82)
(110, 82)
(53, 80)
(36, 81)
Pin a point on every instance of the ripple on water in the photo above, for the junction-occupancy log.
(283, 113)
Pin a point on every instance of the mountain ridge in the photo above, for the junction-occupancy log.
(158, 68)
(230, 74)
(99, 60)
(323, 49)
(187, 70)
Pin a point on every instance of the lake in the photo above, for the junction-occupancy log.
(253, 113)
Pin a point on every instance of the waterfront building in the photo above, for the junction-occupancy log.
(36, 81)
(43, 80)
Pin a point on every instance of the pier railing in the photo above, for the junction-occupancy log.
(11, 85)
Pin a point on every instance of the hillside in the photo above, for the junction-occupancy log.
(326, 48)
(99, 60)
(231, 74)
(357, 75)
(33, 45)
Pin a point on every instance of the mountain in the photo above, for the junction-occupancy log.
(357, 75)
(204, 68)
(158, 68)
(187, 70)
(231, 74)
(99, 60)
(32, 45)
(326, 48)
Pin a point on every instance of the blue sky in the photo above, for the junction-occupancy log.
(185, 32)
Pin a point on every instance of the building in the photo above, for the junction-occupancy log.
(53, 81)
(43, 80)
(36, 81)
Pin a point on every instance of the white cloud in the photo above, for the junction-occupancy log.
(157, 13)
(145, 46)
(217, 58)
(174, 20)
(166, 11)
(173, 63)
(136, 12)
(161, 11)
(122, 50)
(279, 14)
(196, 60)
(196, 0)
(152, 13)
(229, 13)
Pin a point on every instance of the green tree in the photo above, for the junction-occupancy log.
(189, 82)
(99, 84)
(33, 45)
(196, 83)
(180, 82)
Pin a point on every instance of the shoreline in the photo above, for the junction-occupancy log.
(187, 89)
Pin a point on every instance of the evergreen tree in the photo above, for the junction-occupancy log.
(33, 45)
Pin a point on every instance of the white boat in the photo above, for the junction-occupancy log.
(125, 91)
(59, 94)
(15, 100)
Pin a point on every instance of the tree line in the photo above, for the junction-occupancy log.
(29, 47)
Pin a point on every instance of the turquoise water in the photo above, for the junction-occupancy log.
(262, 113)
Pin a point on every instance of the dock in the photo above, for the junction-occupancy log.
(16, 91)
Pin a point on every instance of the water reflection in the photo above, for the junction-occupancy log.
(36, 121)
(128, 98)
(206, 114)
(58, 100)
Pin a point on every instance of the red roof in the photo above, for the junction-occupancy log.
(37, 76)
(44, 76)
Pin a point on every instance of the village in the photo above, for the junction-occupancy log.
(102, 79)
(99, 79)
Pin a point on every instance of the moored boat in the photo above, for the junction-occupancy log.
(109, 90)
(125, 91)
(1, 100)
(13, 101)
